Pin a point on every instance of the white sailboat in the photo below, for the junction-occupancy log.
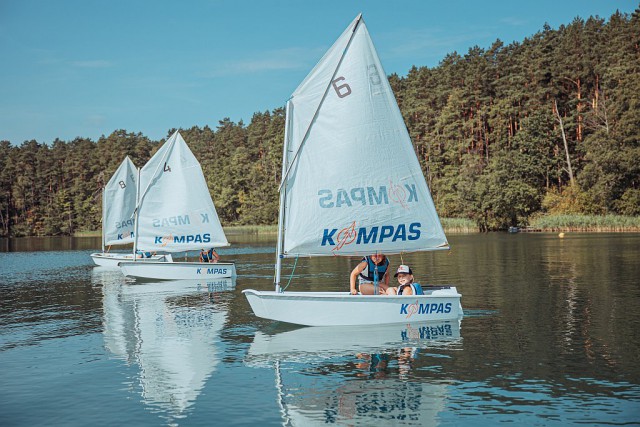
(176, 214)
(119, 199)
(352, 186)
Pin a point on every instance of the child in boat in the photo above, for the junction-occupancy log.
(372, 275)
(142, 254)
(209, 256)
(406, 284)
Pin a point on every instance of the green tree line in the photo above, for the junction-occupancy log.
(549, 125)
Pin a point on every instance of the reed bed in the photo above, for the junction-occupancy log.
(459, 225)
(251, 229)
(88, 233)
(587, 223)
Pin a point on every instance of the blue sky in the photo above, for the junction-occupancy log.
(84, 68)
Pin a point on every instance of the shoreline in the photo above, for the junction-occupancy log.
(541, 224)
(555, 224)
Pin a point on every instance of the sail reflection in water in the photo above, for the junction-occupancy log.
(169, 330)
(366, 372)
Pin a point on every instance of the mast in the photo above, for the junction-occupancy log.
(104, 209)
(283, 196)
(135, 220)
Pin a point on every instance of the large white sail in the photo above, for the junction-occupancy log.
(353, 184)
(119, 203)
(176, 212)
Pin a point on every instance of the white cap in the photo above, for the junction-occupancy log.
(403, 269)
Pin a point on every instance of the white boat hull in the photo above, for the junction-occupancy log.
(344, 309)
(106, 259)
(178, 270)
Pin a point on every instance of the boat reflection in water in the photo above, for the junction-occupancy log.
(369, 375)
(169, 330)
(323, 342)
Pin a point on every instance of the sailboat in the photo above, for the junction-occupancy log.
(119, 199)
(175, 213)
(352, 186)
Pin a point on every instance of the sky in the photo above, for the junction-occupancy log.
(85, 68)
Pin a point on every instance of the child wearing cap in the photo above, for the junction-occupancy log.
(406, 284)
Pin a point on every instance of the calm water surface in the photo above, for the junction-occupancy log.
(550, 337)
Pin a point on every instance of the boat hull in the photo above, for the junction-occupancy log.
(106, 259)
(344, 309)
(178, 270)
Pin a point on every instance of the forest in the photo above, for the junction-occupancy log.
(506, 133)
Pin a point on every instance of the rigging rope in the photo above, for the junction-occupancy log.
(375, 279)
(291, 276)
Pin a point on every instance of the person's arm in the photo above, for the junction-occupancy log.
(354, 276)
(215, 256)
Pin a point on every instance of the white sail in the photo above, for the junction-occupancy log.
(353, 183)
(119, 203)
(175, 211)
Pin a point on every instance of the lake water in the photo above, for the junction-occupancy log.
(550, 336)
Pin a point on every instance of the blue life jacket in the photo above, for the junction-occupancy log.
(369, 270)
(144, 254)
(208, 256)
(417, 289)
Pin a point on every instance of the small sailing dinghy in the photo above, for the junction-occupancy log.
(175, 213)
(352, 186)
(119, 199)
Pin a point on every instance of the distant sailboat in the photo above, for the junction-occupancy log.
(352, 185)
(119, 198)
(176, 214)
